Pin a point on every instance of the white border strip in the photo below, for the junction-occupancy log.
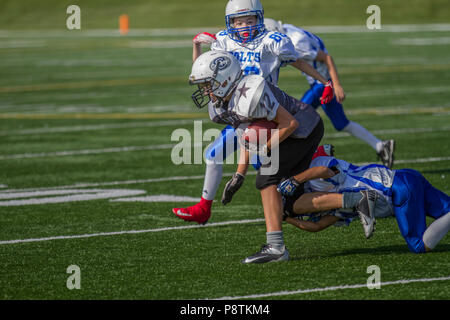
(103, 234)
(342, 287)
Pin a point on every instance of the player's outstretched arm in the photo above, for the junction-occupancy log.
(311, 226)
(202, 37)
(317, 201)
(288, 187)
(328, 60)
(305, 67)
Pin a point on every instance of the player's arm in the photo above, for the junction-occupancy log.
(322, 56)
(235, 183)
(320, 172)
(305, 67)
(202, 37)
(244, 160)
(288, 186)
(311, 226)
(327, 94)
(286, 125)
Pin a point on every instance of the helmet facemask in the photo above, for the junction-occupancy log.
(208, 86)
(247, 34)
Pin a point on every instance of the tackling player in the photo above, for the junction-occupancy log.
(312, 49)
(404, 193)
(259, 52)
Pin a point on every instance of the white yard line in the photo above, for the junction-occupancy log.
(104, 234)
(333, 288)
(182, 178)
(85, 152)
(169, 146)
(106, 126)
(395, 28)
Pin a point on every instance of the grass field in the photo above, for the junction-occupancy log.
(85, 115)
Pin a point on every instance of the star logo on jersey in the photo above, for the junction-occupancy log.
(243, 90)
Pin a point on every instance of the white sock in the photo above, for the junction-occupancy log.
(363, 134)
(436, 231)
(213, 176)
(275, 238)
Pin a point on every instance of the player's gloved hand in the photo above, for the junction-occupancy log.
(232, 187)
(204, 37)
(327, 94)
(288, 187)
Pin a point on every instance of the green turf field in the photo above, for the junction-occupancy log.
(86, 115)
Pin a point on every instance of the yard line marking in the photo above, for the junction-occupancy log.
(157, 198)
(114, 183)
(151, 124)
(333, 288)
(390, 131)
(196, 177)
(115, 233)
(163, 32)
(169, 146)
(106, 126)
(102, 116)
(63, 196)
(85, 152)
(421, 41)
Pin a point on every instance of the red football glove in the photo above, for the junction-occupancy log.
(327, 94)
(204, 37)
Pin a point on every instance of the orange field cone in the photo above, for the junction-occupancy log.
(123, 24)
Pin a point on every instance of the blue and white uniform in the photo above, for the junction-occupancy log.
(410, 196)
(263, 56)
(308, 46)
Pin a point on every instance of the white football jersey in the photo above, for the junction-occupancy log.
(263, 56)
(256, 98)
(353, 178)
(308, 45)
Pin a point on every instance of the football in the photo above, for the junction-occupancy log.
(259, 132)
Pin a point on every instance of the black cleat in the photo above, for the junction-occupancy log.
(366, 211)
(268, 254)
(386, 154)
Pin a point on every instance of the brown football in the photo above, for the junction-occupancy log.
(259, 131)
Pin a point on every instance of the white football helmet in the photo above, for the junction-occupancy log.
(273, 25)
(242, 8)
(216, 72)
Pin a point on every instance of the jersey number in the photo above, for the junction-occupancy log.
(277, 36)
(251, 70)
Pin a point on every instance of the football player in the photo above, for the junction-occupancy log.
(404, 193)
(312, 49)
(239, 100)
(259, 52)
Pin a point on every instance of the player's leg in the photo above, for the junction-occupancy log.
(294, 156)
(364, 202)
(408, 198)
(437, 205)
(216, 153)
